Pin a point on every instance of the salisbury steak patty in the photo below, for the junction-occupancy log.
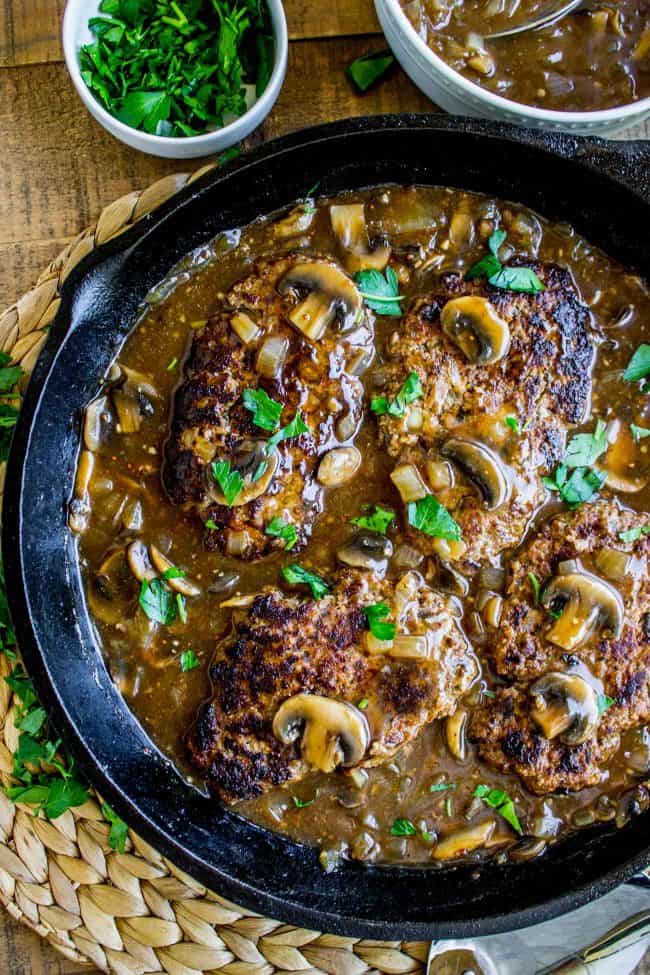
(291, 329)
(532, 643)
(518, 406)
(282, 646)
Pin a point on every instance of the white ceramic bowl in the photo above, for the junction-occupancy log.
(456, 94)
(76, 33)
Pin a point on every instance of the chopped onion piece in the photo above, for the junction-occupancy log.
(373, 645)
(245, 327)
(272, 356)
(411, 647)
(409, 483)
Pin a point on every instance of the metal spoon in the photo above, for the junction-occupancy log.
(544, 20)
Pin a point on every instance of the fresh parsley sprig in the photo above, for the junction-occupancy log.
(521, 279)
(297, 575)
(266, 411)
(376, 521)
(366, 71)
(432, 518)
(500, 801)
(380, 291)
(376, 616)
(279, 528)
(574, 479)
(639, 365)
(408, 393)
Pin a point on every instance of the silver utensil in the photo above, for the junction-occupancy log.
(543, 20)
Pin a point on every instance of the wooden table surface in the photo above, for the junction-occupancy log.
(59, 168)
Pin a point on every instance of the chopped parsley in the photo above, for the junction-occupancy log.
(522, 279)
(403, 827)
(279, 528)
(639, 433)
(158, 602)
(266, 411)
(513, 423)
(230, 481)
(377, 521)
(376, 615)
(574, 479)
(177, 67)
(448, 807)
(366, 71)
(301, 803)
(632, 534)
(171, 365)
(363, 703)
(432, 518)
(295, 574)
(9, 376)
(537, 589)
(442, 786)
(410, 390)
(500, 801)
(211, 524)
(119, 830)
(639, 365)
(189, 661)
(603, 702)
(292, 429)
(380, 291)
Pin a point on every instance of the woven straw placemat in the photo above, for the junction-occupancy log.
(133, 913)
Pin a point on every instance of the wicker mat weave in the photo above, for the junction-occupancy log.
(133, 913)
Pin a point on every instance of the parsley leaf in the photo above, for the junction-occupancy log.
(9, 375)
(537, 589)
(408, 393)
(266, 411)
(432, 518)
(579, 486)
(363, 703)
(500, 801)
(378, 521)
(279, 528)
(381, 293)
(157, 601)
(632, 534)
(301, 803)
(522, 279)
(639, 433)
(603, 702)
(366, 71)
(189, 661)
(375, 614)
(230, 481)
(295, 574)
(585, 448)
(403, 827)
(119, 830)
(292, 429)
(513, 423)
(442, 786)
(639, 365)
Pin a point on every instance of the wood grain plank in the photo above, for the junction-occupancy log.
(63, 167)
(23, 952)
(30, 30)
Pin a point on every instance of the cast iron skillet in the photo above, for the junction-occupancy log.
(602, 189)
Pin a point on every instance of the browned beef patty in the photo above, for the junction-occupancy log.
(282, 645)
(506, 734)
(210, 422)
(519, 407)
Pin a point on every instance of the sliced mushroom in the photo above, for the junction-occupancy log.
(564, 705)
(474, 325)
(367, 550)
(139, 562)
(331, 296)
(178, 583)
(244, 327)
(133, 400)
(482, 467)
(464, 841)
(455, 733)
(111, 590)
(296, 222)
(339, 466)
(98, 423)
(248, 461)
(332, 732)
(586, 601)
(349, 226)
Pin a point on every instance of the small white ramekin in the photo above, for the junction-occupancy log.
(451, 91)
(76, 33)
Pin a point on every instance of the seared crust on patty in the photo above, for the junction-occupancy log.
(210, 422)
(506, 735)
(543, 383)
(283, 645)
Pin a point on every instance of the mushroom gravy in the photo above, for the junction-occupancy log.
(423, 799)
(593, 59)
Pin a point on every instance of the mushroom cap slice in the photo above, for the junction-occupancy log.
(565, 705)
(333, 732)
(137, 555)
(331, 296)
(588, 602)
(474, 325)
(366, 550)
(247, 462)
(349, 226)
(483, 468)
(179, 583)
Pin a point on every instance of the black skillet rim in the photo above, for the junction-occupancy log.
(335, 909)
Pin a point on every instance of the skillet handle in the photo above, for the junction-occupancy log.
(628, 162)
